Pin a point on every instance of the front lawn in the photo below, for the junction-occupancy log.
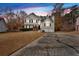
(10, 42)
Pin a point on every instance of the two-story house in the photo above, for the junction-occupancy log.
(32, 22)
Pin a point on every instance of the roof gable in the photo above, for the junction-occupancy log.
(2, 19)
(33, 16)
(49, 18)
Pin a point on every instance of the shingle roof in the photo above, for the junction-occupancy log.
(1, 18)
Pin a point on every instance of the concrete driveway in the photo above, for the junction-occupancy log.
(52, 44)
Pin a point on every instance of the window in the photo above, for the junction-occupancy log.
(24, 26)
(39, 22)
(27, 26)
(34, 21)
(44, 24)
(31, 26)
(31, 21)
(50, 24)
(47, 23)
(25, 20)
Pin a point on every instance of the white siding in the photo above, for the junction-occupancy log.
(48, 25)
(27, 21)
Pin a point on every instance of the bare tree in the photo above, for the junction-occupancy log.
(22, 17)
(68, 20)
(57, 14)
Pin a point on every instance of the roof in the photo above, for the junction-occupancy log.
(32, 14)
(48, 17)
(1, 18)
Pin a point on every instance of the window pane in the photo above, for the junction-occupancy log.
(31, 26)
(27, 26)
(47, 23)
(34, 21)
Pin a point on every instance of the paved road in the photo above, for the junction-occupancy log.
(53, 44)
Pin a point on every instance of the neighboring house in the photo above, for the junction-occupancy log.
(47, 25)
(68, 19)
(67, 23)
(77, 24)
(77, 19)
(3, 27)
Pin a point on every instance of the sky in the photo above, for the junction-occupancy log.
(42, 9)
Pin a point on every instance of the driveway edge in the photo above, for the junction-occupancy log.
(33, 43)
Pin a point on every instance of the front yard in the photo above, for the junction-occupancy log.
(10, 42)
